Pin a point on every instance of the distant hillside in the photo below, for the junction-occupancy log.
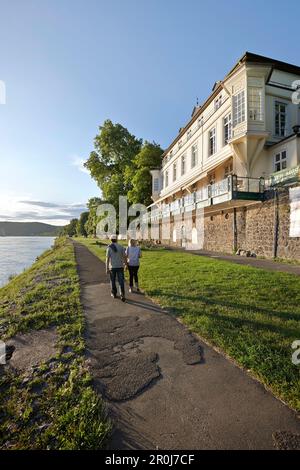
(28, 229)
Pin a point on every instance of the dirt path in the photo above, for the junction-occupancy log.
(164, 388)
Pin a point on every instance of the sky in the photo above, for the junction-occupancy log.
(67, 65)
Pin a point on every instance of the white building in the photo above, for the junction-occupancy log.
(244, 133)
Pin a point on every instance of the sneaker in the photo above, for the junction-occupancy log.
(137, 289)
(130, 290)
(113, 295)
(123, 298)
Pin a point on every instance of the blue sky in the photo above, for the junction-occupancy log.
(70, 64)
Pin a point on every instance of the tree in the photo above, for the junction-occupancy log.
(91, 223)
(139, 177)
(80, 227)
(71, 228)
(115, 150)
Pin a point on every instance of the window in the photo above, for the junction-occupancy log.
(255, 103)
(280, 161)
(189, 134)
(280, 119)
(194, 156)
(239, 108)
(155, 185)
(228, 170)
(212, 141)
(174, 171)
(183, 164)
(200, 122)
(227, 129)
(166, 178)
(180, 144)
(218, 102)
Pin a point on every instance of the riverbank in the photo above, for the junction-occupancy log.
(47, 400)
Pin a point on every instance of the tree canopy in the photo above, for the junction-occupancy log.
(120, 164)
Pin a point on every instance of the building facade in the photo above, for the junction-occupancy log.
(237, 154)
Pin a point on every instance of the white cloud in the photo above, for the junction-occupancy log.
(25, 209)
(79, 164)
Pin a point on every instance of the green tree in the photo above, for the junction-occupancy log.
(115, 150)
(80, 227)
(138, 176)
(91, 223)
(71, 228)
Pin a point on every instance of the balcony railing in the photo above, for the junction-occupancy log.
(231, 188)
(247, 185)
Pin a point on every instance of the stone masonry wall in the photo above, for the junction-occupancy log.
(255, 229)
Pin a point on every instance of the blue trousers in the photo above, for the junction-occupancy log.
(117, 273)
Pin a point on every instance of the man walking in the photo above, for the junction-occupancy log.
(115, 262)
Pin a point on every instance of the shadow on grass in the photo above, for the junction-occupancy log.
(238, 322)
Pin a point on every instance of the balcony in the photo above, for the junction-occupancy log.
(232, 188)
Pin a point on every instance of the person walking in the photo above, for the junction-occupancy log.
(115, 262)
(133, 254)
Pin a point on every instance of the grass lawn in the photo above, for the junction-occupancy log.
(52, 406)
(251, 314)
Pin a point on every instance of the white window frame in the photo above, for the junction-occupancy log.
(227, 122)
(239, 108)
(218, 102)
(212, 141)
(166, 178)
(183, 164)
(194, 155)
(200, 122)
(174, 171)
(189, 134)
(155, 185)
(280, 161)
(255, 103)
(279, 134)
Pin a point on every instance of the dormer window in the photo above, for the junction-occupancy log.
(218, 102)
(200, 122)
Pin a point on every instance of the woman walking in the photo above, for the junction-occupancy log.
(115, 262)
(133, 254)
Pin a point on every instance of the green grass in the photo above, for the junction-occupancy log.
(52, 406)
(251, 314)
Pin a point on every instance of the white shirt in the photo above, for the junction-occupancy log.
(133, 255)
